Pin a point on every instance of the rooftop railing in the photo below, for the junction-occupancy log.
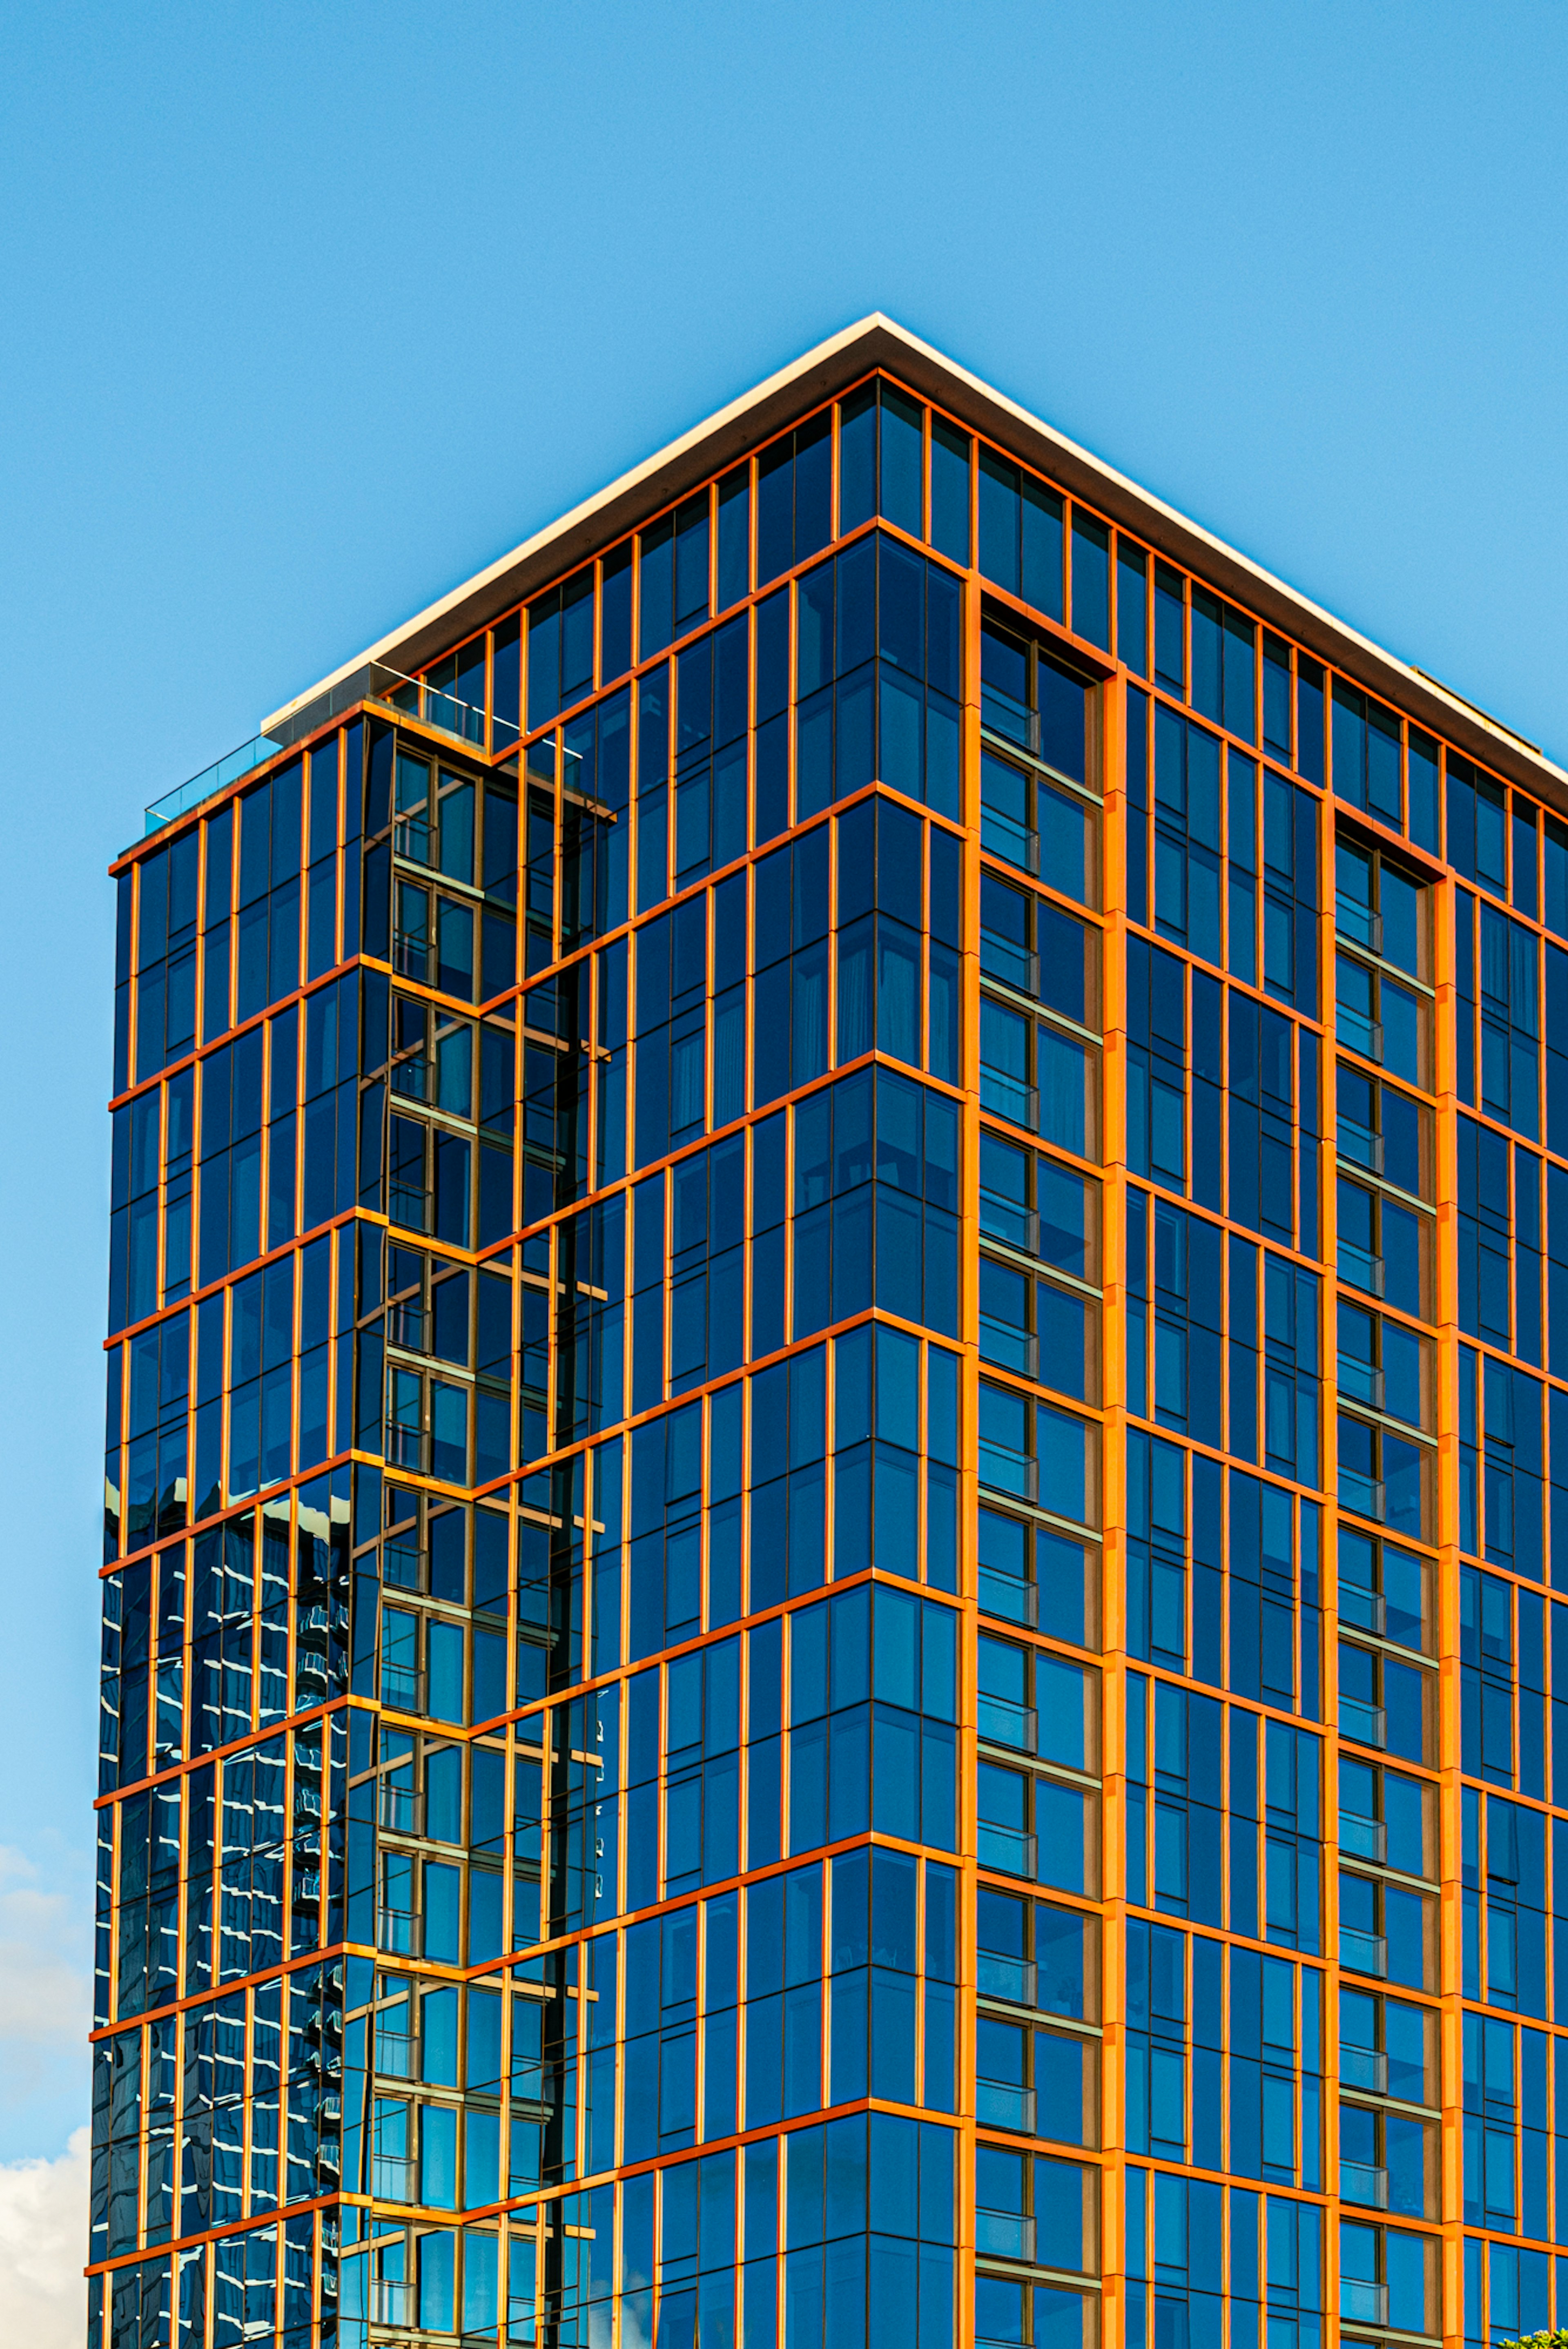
(375, 681)
(414, 696)
(226, 770)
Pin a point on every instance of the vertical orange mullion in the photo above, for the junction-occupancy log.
(789, 711)
(1113, 583)
(1069, 507)
(558, 861)
(1328, 1578)
(1112, 703)
(834, 412)
(339, 855)
(1445, 1320)
(968, 1324)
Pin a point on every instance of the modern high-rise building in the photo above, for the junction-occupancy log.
(836, 1521)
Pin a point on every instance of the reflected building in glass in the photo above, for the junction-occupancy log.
(830, 1591)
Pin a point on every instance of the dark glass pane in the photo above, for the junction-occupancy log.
(1090, 579)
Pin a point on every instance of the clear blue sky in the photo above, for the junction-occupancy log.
(308, 313)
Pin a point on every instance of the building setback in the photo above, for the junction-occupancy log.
(833, 1482)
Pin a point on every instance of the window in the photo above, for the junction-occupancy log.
(876, 678)
(1389, 2278)
(446, 825)
(1385, 1248)
(1477, 825)
(454, 694)
(1030, 947)
(1383, 907)
(1384, 1477)
(1039, 827)
(1224, 664)
(795, 494)
(1036, 1077)
(1384, 1131)
(1042, 1208)
(1038, 1827)
(673, 591)
(1386, 1366)
(1388, 2047)
(1036, 1953)
(1019, 1438)
(1384, 1022)
(1387, 1929)
(1187, 840)
(1384, 1590)
(1037, 2082)
(1021, 533)
(1032, 1702)
(1387, 1818)
(1500, 1237)
(1038, 1330)
(1031, 1575)
(1383, 1702)
(1366, 754)
(1031, 2209)
(1033, 701)
(1388, 2160)
(1385, 913)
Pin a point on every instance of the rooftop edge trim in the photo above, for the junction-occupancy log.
(827, 368)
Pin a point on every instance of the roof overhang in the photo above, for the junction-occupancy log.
(877, 342)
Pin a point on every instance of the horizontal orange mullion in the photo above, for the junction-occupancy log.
(1321, 1965)
(741, 1881)
(695, 1393)
(1317, 1024)
(1106, 1907)
(1257, 1705)
(1097, 654)
(1435, 868)
(647, 664)
(252, 1263)
(647, 915)
(1153, 1190)
(1214, 1452)
(1474, 1111)
(1538, 1803)
(289, 1723)
(1104, 665)
(540, 2197)
(260, 1974)
(462, 1006)
(1519, 1582)
(215, 2234)
(518, 1719)
(1162, 695)
(354, 1454)
(1485, 1347)
(268, 1495)
(875, 1056)
(227, 793)
(513, 1959)
(1316, 2195)
(759, 2135)
(210, 1044)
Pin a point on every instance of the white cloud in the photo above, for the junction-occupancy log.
(45, 1987)
(42, 2243)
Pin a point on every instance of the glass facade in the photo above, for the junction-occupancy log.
(838, 1325)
